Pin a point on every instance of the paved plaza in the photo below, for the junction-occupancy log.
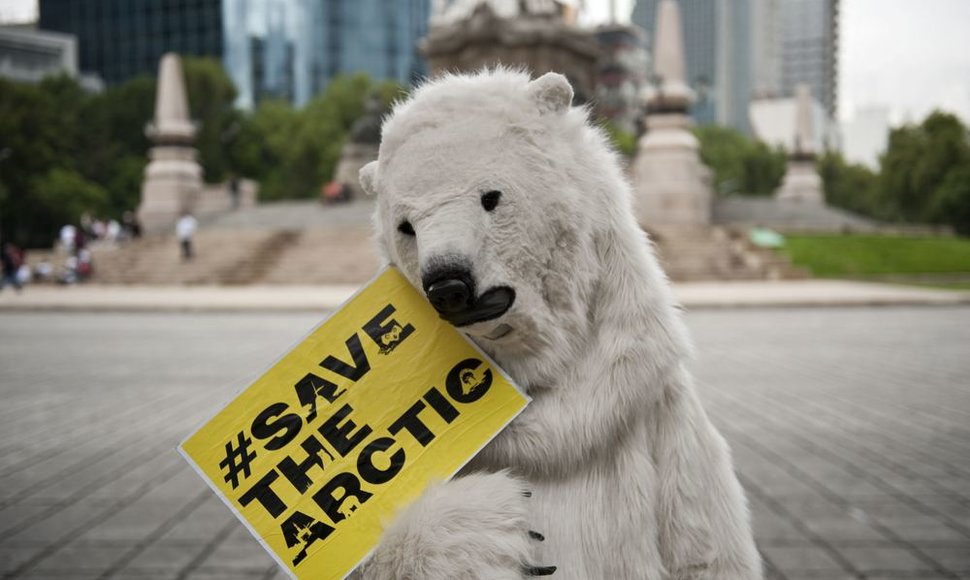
(850, 429)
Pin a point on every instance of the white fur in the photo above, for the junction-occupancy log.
(630, 480)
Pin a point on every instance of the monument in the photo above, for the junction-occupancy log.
(802, 182)
(672, 185)
(362, 146)
(540, 35)
(173, 178)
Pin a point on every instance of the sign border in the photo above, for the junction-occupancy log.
(212, 485)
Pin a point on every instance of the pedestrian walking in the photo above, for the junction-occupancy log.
(10, 258)
(131, 225)
(67, 235)
(234, 192)
(184, 230)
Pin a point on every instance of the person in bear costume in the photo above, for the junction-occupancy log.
(510, 210)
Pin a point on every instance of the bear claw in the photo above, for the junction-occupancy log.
(536, 536)
(540, 570)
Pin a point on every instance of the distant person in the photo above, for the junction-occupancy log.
(80, 239)
(87, 225)
(84, 267)
(112, 231)
(68, 273)
(184, 230)
(234, 192)
(335, 192)
(68, 232)
(44, 271)
(10, 258)
(99, 229)
(131, 225)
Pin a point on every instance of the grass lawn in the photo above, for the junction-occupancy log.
(861, 256)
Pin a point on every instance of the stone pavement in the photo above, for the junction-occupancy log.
(850, 428)
(692, 295)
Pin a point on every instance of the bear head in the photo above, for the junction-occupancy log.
(493, 197)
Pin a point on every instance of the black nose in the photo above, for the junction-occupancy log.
(449, 295)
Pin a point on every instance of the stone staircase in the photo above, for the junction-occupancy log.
(343, 255)
(302, 243)
(239, 257)
(221, 257)
(787, 215)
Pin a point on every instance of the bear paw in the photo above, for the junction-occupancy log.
(471, 527)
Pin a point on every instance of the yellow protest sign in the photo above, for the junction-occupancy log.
(354, 422)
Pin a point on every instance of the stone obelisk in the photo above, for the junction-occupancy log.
(672, 184)
(802, 182)
(173, 178)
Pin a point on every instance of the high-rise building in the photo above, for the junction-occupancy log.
(766, 48)
(121, 39)
(288, 49)
(718, 51)
(378, 37)
(28, 55)
(809, 45)
(866, 136)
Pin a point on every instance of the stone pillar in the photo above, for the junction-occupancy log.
(362, 147)
(173, 178)
(672, 185)
(802, 182)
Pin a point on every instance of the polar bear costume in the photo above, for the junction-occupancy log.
(510, 210)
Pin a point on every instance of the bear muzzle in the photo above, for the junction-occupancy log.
(451, 291)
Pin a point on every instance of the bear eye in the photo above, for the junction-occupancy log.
(490, 199)
(406, 228)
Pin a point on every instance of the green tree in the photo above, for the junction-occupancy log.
(915, 183)
(740, 164)
(64, 152)
(211, 94)
(37, 133)
(292, 152)
(849, 186)
(764, 168)
(951, 202)
(113, 147)
(67, 195)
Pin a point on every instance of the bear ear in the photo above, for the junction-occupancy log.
(367, 177)
(551, 93)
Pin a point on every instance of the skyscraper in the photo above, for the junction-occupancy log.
(121, 39)
(378, 37)
(717, 43)
(809, 45)
(766, 47)
(287, 49)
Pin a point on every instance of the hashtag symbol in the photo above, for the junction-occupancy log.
(238, 459)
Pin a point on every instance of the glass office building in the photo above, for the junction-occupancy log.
(378, 37)
(287, 49)
(810, 46)
(121, 39)
(717, 46)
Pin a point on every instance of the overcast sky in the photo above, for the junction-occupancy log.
(909, 56)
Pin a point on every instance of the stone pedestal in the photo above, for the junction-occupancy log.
(802, 183)
(173, 183)
(353, 157)
(672, 185)
(173, 178)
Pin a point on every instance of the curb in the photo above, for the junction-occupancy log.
(275, 299)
